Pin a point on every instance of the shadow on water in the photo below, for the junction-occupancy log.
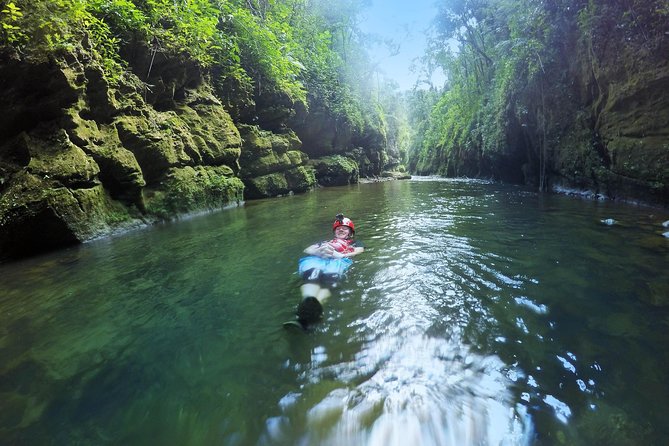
(479, 314)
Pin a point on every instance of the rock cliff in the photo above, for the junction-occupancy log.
(616, 141)
(81, 157)
(587, 110)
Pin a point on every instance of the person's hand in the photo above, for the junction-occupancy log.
(335, 254)
(326, 250)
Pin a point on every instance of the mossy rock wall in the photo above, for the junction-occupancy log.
(101, 159)
(272, 164)
(38, 214)
(614, 137)
(82, 156)
(336, 170)
(184, 189)
(325, 133)
(300, 178)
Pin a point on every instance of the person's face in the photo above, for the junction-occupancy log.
(342, 231)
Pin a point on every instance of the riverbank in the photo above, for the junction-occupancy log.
(385, 176)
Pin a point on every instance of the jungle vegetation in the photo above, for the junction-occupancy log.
(507, 64)
(510, 67)
(302, 48)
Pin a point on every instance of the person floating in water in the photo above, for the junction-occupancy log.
(323, 267)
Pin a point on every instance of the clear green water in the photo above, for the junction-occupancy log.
(479, 314)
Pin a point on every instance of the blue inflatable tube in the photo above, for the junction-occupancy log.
(326, 266)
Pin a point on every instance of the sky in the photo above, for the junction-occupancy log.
(405, 22)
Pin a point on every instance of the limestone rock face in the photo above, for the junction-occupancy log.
(321, 133)
(274, 110)
(634, 129)
(370, 152)
(617, 134)
(37, 93)
(80, 158)
(83, 155)
(324, 133)
(37, 214)
(272, 164)
(336, 170)
(200, 187)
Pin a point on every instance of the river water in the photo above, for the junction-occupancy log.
(479, 314)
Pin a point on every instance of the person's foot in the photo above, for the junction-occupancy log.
(310, 310)
(295, 324)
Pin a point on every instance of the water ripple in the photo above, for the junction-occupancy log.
(405, 386)
(416, 389)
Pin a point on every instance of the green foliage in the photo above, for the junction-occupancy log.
(503, 48)
(49, 27)
(316, 33)
(189, 27)
(42, 23)
(10, 17)
(122, 16)
(185, 27)
(250, 47)
(212, 32)
(394, 121)
(268, 52)
(638, 23)
(510, 69)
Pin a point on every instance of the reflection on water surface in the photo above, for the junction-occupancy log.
(480, 314)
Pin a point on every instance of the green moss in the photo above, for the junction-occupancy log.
(395, 175)
(269, 185)
(295, 180)
(90, 212)
(646, 159)
(611, 426)
(283, 142)
(266, 164)
(335, 170)
(191, 189)
(119, 170)
(264, 152)
(20, 193)
(55, 157)
(215, 137)
(255, 142)
(301, 178)
(38, 214)
(576, 159)
(154, 150)
(296, 157)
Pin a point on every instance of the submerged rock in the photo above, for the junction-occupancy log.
(658, 293)
(612, 426)
(395, 175)
(616, 324)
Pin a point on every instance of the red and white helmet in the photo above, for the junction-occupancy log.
(340, 220)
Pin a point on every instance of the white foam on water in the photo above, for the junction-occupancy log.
(418, 390)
